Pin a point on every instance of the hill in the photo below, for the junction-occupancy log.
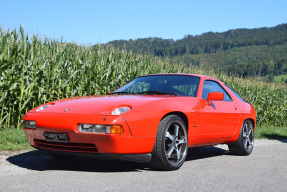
(34, 71)
(245, 52)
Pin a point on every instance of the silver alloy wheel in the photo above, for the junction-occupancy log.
(248, 136)
(175, 144)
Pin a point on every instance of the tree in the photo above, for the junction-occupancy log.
(286, 81)
(260, 51)
(271, 78)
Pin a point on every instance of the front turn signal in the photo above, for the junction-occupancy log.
(116, 129)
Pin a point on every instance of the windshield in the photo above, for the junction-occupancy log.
(183, 85)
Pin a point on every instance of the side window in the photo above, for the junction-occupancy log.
(212, 86)
(186, 90)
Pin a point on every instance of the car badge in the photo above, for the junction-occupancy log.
(67, 110)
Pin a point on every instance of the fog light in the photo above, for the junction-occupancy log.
(29, 124)
(100, 129)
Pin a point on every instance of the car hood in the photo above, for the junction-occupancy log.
(99, 104)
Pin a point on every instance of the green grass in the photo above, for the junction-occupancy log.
(278, 78)
(270, 132)
(14, 139)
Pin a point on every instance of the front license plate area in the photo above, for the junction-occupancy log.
(56, 137)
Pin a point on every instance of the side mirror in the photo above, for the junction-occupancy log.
(219, 96)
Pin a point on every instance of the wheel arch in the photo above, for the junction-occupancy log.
(252, 121)
(181, 115)
(237, 133)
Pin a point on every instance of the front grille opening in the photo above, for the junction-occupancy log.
(72, 147)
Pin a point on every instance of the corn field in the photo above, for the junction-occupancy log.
(34, 71)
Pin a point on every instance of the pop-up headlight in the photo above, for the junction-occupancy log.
(42, 107)
(120, 110)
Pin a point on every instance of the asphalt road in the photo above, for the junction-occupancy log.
(206, 169)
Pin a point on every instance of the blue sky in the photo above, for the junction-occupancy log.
(91, 22)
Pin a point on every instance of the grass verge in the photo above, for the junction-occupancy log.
(14, 139)
(277, 133)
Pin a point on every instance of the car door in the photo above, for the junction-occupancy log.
(221, 118)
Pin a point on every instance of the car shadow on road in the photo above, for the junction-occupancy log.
(42, 161)
(277, 137)
(205, 152)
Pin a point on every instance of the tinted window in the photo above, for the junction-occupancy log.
(212, 86)
(236, 94)
(184, 85)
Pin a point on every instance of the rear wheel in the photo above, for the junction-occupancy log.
(171, 144)
(245, 142)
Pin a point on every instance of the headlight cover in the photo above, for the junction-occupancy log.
(120, 110)
(42, 107)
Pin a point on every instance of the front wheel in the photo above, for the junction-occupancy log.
(245, 142)
(171, 144)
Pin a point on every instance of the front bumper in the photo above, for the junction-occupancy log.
(85, 142)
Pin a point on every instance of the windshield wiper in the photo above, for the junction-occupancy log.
(123, 92)
(157, 93)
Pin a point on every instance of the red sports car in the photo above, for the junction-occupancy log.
(154, 118)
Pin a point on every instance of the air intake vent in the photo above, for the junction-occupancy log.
(72, 147)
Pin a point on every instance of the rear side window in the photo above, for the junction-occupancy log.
(241, 99)
(212, 86)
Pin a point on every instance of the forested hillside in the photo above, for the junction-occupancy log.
(245, 52)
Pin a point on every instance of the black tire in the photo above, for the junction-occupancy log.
(245, 142)
(171, 144)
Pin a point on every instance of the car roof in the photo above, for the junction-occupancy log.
(196, 75)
